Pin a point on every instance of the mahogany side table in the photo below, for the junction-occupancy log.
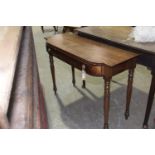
(96, 58)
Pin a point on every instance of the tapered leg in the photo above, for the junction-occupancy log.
(106, 102)
(73, 75)
(129, 92)
(150, 102)
(83, 83)
(42, 28)
(53, 72)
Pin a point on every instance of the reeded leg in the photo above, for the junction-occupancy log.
(106, 102)
(150, 102)
(73, 75)
(53, 73)
(129, 92)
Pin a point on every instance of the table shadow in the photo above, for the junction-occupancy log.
(87, 113)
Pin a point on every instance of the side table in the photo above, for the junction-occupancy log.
(96, 59)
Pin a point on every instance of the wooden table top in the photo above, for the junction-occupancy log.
(88, 50)
(9, 46)
(119, 35)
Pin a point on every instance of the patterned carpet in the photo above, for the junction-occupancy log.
(77, 108)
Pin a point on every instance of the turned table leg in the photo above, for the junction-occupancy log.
(150, 101)
(129, 92)
(42, 28)
(53, 72)
(73, 75)
(106, 102)
(83, 83)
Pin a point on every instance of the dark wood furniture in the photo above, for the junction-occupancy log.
(69, 28)
(94, 58)
(118, 36)
(55, 28)
(25, 100)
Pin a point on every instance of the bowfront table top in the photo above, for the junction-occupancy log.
(117, 34)
(9, 47)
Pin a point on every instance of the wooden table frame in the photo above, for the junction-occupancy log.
(94, 69)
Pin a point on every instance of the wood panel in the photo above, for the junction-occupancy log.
(9, 47)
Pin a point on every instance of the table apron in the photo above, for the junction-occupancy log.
(91, 69)
(100, 70)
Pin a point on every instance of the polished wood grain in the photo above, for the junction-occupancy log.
(89, 50)
(95, 58)
(119, 36)
(9, 47)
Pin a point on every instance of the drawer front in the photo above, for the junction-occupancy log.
(91, 69)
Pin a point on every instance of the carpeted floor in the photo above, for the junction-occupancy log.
(77, 108)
